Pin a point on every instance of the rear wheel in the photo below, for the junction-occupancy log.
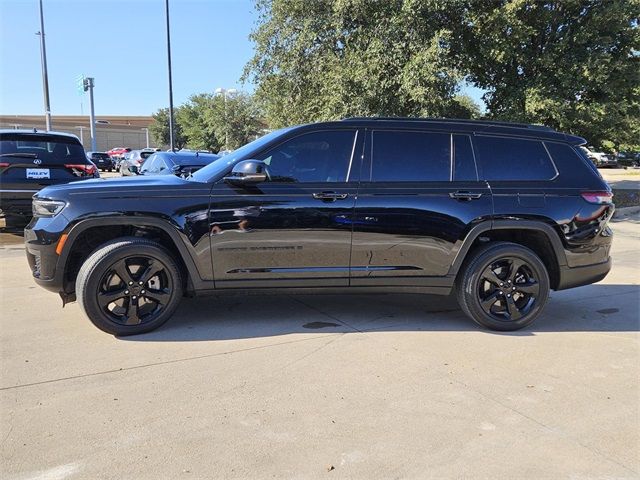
(504, 286)
(129, 286)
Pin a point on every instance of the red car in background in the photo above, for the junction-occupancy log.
(118, 152)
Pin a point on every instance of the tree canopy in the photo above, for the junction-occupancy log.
(569, 64)
(210, 122)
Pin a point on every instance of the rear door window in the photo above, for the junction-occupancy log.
(404, 156)
(503, 158)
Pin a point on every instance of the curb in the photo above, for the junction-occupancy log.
(625, 211)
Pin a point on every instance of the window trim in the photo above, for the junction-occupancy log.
(473, 156)
(515, 137)
(353, 130)
(409, 130)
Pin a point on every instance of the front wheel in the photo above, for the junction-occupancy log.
(504, 286)
(129, 286)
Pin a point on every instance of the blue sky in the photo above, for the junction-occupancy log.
(121, 43)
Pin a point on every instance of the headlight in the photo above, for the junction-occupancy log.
(47, 208)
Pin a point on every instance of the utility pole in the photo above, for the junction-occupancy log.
(88, 85)
(45, 75)
(171, 139)
(225, 92)
(146, 132)
(81, 127)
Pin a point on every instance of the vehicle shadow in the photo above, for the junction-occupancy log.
(594, 308)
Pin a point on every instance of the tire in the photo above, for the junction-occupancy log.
(144, 293)
(496, 297)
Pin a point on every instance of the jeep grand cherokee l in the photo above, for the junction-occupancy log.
(499, 213)
(31, 160)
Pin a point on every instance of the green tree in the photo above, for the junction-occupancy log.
(571, 64)
(328, 59)
(159, 129)
(211, 122)
(197, 123)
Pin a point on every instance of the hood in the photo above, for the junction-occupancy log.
(108, 186)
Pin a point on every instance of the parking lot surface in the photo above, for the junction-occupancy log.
(353, 386)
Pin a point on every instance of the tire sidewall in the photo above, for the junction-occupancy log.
(473, 276)
(89, 279)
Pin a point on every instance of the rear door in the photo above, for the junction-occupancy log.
(419, 197)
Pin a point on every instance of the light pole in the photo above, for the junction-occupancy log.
(81, 127)
(225, 92)
(45, 75)
(146, 132)
(88, 84)
(171, 139)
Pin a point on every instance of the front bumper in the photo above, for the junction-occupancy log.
(41, 239)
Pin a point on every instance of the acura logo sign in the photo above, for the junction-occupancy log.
(37, 161)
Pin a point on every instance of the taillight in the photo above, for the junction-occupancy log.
(598, 197)
(4, 164)
(82, 169)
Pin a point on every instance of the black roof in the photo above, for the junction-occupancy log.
(465, 126)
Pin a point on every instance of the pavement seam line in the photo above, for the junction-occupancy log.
(556, 431)
(328, 315)
(167, 362)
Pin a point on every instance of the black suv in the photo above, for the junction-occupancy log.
(499, 213)
(31, 160)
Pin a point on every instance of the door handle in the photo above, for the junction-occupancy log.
(329, 196)
(459, 195)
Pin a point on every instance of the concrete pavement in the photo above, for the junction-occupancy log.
(359, 386)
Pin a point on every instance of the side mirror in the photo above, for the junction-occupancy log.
(248, 172)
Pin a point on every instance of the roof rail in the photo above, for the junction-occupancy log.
(453, 120)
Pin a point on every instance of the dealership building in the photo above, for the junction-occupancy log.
(111, 131)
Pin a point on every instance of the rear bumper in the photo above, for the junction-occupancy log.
(585, 275)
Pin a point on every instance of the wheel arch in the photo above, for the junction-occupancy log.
(534, 234)
(105, 229)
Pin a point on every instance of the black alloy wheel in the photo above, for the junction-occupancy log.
(503, 286)
(135, 290)
(508, 289)
(129, 286)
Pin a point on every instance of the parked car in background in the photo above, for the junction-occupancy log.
(600, 159)
(499, 214)
(176, 163)
(31, 160)
(132, 162)
(102, 160)
(628, 159)
(118, 152)
(607, 160)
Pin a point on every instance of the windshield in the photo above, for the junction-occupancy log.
(221, 165)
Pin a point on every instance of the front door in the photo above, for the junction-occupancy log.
(419, 196)
(293, 230)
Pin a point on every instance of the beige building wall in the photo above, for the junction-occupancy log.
(121, 131)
